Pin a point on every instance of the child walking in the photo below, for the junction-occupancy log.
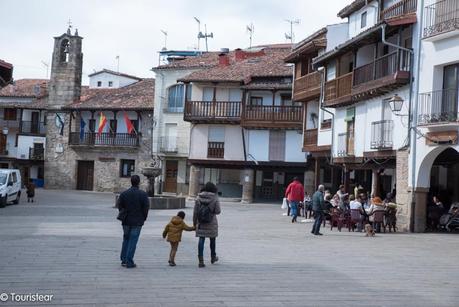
(30, 190)
(173, 231)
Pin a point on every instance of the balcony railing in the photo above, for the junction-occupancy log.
(215, 150)
(274, 113)
(307, 86)
(310, 137)
(381, 134)
(441, 17)
(400, 8)
(345, 145)
(339, 87)
(9, 123)
(30, 127)
(382, 67)
(211, 110)
(438, 107)
(105, 139)
(168, 144)
(36, 154)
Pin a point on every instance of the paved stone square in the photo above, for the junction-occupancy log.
(67, 244)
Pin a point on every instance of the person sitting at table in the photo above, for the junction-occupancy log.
(376, 205)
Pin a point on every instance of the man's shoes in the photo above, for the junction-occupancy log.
(123, 263)
(318, 234)
(312, 231)
(131, 266)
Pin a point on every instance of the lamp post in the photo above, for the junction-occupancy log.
(396, 103)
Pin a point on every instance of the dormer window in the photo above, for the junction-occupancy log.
(64, 51)
(99, 83)
(363, 20)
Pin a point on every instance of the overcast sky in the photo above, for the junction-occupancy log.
(131, 29)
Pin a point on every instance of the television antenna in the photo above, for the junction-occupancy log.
(199, 30)
(291, 36)
(205, 35)
(250, 29)
(165, 39)
(47, 67)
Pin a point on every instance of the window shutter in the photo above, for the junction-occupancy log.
(276, 145)
(350, 114)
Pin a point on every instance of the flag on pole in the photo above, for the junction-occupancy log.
(102, 122)
(82, 125)
(129, 125)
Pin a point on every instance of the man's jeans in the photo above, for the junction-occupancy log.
(130, 238)
(294, 206)
(201, 247)
(318, 217)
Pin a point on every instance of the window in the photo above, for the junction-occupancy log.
(99, 83)
(176, 97)
(276, 145)
(256, 101)
(110, 83)
(363, 20)
(113, 124)
(92, 125)
(64, 50)
(216, 143)
(15, 177)
(286, 99)
(127, 168)
(9, 114)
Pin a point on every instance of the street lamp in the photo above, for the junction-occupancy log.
(5, 130)
(396, 103)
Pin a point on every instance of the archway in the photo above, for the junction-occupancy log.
(439, 174)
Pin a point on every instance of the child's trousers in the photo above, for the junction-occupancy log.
(174, 247)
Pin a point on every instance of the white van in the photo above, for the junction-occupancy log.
(10, 186)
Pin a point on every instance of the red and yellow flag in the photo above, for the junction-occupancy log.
(129, 125)
(102, 122)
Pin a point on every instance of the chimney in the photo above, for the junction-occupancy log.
(223, 59)
(239, 54)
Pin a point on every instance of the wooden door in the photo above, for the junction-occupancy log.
(170, 184)
(85, 175)
(2, 144)
(35, 123)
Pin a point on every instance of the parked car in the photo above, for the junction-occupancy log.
(10, 186)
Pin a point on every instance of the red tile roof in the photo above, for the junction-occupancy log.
(207, 59)
(26, 88)
(267, 62)
(137, 96)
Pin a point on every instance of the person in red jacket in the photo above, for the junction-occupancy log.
(294, 194)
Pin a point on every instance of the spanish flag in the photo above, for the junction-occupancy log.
(102, 122)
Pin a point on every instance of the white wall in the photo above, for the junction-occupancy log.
(25, 143)
(105, 77)
(312, 107)
(293, 147)
(258, 144)
(355, 19)
(336, 34)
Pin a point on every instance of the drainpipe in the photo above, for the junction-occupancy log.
(322, 107)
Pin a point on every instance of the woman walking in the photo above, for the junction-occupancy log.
(205, 212)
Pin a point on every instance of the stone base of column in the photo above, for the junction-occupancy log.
(195, 175)
(248, 176)
(420, 209)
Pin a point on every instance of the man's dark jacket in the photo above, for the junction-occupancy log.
(136, 205)
(318, 201)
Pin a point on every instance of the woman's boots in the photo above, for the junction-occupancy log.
(201, 261)
(213, 259)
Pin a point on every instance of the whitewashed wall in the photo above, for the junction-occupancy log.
(105, 77)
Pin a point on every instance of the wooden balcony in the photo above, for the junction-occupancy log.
(307, 87)
(376, 78)
(213, 112)
(282, 117)
(382, 134)
(338, 91)
(399, 9)
(106, 139)
(439, 108)
(216, 150)
(441, 19)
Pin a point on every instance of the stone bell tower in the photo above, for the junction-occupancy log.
(64, 88)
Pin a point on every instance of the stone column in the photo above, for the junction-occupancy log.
(309, 186)
(375, 183)
(420, 209)
(403, 195)
(247, 186)
(195, 175)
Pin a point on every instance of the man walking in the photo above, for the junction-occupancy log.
(318, 209)
(294, 194)
(133, 206)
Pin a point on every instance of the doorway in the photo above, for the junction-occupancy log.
(170, 184)
(85, 175)
(35, 123)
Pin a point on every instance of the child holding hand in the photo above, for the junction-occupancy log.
(173, 232)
